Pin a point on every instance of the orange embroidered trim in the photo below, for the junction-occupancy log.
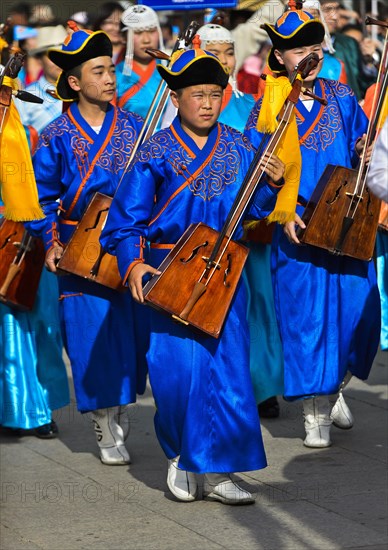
(182, 143)
(79, 128)
(302, 139)
(273, 184)
(131, 266)
(144, 77)
(141, 247)
(54, 240)
(91, 167)
(63, 296)
(191, 178)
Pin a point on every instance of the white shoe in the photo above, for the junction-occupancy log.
(181, 483)
(222, 488)
(317, 422)
(110, 437)
(341, 415)
(122, 418)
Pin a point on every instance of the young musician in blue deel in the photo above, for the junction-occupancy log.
(206, 419)
(266, 357)
(82, 152)
(327, 306)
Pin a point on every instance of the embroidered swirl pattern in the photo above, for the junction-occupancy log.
(223, 168)
(330, 123)
(58, 127)
(113, 158)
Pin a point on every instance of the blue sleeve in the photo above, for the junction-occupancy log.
(264, 199)
(126, 228)
(47, 163)
(250, 130)
(354, 119)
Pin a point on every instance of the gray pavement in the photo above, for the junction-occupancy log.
(55, 494)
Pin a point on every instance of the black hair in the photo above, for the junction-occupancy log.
(104, 12)
(352, 27)
(75, 71)
(22, 8)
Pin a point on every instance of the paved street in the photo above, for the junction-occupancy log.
(56, 494)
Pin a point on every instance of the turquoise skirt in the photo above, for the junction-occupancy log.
(33, 379)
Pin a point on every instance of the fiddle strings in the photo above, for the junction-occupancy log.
(153, 115)
(148, 127)
(377, 103)
(247, 189)
(303, 68)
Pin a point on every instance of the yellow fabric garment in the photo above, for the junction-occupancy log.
(384, 112)
(288, 150)
(17, 179)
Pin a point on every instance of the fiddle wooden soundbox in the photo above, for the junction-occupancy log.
(341, 216)
(84, 256)
(21, 263)
(189, 292)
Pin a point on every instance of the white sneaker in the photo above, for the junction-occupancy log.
(181, 483)
(110, 437)
(341, 415)
(317, 422)
(222, 488)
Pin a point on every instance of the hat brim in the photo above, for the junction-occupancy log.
(204, 70)
(64, 91)
(44, 49)
(310, 33)
(98, 44)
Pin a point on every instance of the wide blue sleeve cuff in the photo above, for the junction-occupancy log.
(47, 228)
(264, 200)
(129, 252)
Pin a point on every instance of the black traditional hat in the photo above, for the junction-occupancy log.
(294, 29)
(192, 67)
(77, 48)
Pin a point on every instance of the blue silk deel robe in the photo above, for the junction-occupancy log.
(136, 92)
(328, 306)
(266, 356)
(71, 164)
(206, 410)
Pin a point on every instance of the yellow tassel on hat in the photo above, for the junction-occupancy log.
(17, 179)
(288, 150)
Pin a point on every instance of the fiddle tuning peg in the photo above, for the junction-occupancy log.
(157, 54)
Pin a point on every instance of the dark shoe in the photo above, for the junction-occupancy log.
(11, 432)
(47, 431)
(269, 408)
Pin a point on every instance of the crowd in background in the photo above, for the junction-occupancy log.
(358, 47)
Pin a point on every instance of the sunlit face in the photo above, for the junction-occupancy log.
(224, 52)
(143, 40)
(112, 27)
(98, 80)
(330, 13)
(291, 58)
(199, 106)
